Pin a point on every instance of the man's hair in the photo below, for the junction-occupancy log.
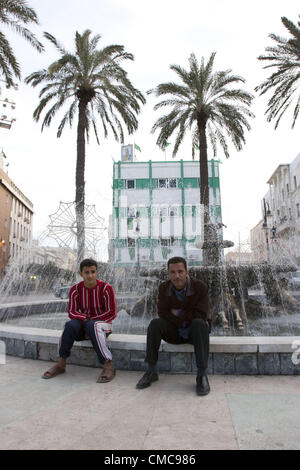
(177, 259)
(87, 263)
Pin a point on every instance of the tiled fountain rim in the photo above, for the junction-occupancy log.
(218, 344)
(264, 355)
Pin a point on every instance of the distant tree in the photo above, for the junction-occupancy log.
(96, 84)
(285, 80)
(15, 14)
(204, 103)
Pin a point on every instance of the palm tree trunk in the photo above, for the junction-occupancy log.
(80, 183)
(204, 184)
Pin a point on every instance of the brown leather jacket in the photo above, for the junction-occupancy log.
(195, 305)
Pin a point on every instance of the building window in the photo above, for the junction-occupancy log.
(130, 184)
(298, 209)
(131, 242)
(287, 189)
(295, 182)
(163, 211)
(290, 212)
(173, 211)
(167, 183)
(162, 183)
(131, 212)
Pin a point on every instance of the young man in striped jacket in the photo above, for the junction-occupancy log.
(92, 307)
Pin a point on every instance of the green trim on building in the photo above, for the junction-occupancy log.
(119, 191)
(145, 183)
(151, 183)
(183, 209)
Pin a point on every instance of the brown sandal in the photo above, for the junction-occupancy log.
(53, 372)
(108, 373)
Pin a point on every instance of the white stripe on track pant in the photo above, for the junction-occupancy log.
(101, 330)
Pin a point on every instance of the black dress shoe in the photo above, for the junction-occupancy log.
(147, 379)
(202, 387)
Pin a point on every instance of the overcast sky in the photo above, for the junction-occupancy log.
(158, 33)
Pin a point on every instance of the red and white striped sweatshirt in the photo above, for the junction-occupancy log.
(97, 303)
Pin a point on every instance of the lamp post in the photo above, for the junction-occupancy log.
(137, 230)
(267, 213)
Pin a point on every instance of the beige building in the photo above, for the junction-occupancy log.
(258, 243)
(277, 235)
(238, 257)
(16, 213)
(62, 257)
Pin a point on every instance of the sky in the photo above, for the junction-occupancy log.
(158, 33)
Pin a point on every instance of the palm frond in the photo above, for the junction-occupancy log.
(285, 81)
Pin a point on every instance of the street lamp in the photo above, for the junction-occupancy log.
(273, 230)
(267, 213)
(137, 230)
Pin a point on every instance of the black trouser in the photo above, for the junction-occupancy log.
(159, 329)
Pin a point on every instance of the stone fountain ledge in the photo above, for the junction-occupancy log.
(262, 355)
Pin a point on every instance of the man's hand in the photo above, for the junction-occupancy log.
(174, 311)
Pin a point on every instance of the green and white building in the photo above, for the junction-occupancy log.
(157, 212)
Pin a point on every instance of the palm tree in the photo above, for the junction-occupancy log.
(14, 14)
(285, 81)
(93, 82)
(205, 104)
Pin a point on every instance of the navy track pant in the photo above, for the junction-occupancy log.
(75, 330)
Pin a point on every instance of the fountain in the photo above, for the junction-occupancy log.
(244, 323)
(233, 309)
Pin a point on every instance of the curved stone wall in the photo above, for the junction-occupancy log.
(268, 355)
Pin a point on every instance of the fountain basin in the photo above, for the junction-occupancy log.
(246, 355)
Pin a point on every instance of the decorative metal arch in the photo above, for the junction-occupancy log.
(63, 226)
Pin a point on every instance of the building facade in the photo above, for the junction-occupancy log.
(62, 257)
(280, 208)
(258, 243)
(7, 104)
(16, 214)
(157, 212)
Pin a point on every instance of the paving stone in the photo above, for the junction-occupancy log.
(209, 364)
(137, 360)
(223, 364)
(164, 362)
(83, 357)
(121, 359)
(268, 364)
(10, 345)
(19, 347)
(181, 362)
(246, 364)
(47, 352)
(286, 365)
(30, 350)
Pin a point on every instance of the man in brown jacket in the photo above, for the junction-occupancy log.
(184, 317)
